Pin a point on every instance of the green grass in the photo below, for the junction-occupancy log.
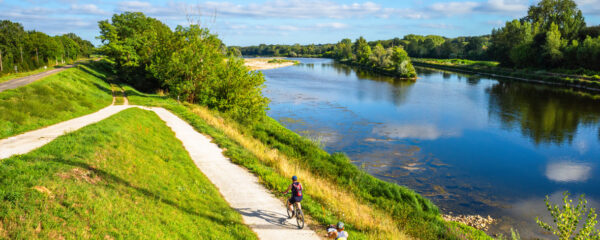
(62, 96)
(126, 177)
(279, 60)
(459, 62)
(411, 212)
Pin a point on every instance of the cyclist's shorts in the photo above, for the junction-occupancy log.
(295, 199)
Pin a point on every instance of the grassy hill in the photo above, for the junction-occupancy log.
(71, 93)
(124, 177)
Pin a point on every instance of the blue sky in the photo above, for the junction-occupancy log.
(246, 23)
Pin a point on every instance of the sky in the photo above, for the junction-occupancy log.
(245, 23)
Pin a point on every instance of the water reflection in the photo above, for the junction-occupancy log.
(568, 171)
(414, 131)
(542, 113)
(471, 144)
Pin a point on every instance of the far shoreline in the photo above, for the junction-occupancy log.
(267, 63)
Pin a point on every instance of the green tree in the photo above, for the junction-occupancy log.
(402, 64)
(588, 53)
(380, 56)
(563, 13)
(361, 50)
(131, 40)
(552, 53)
(505, 39)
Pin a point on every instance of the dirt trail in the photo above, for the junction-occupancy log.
(15, 83)
(261, 211)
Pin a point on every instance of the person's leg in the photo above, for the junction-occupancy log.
(290, 205)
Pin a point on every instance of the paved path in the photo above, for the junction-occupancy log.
(261, 211)
(15, 83)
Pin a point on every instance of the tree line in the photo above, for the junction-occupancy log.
(430, 46)
(552, 35)
(192, 64)
(22, 50)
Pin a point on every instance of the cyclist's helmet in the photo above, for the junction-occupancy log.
(294, 178)
(340, 225)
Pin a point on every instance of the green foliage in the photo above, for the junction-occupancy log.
(361, 50)
(125, 177)
(189, 62)
(548, 37)
(402, 63)
(563, 13)
(131, 40)
(392, 61)
(588, 54)
(568, 217)
(18, 48)
(552, 47)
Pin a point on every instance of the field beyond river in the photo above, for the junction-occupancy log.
(473, 145)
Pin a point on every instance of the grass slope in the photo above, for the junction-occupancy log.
(124, 177)
(68, 94)
(334, 188)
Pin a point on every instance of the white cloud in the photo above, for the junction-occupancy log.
(567, 171)
(87, 9)
(505, 6)
(437, 25)
(134, 5)
(454, 8)
(491, 6)
(332, 25)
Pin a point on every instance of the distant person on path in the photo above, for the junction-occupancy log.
(296, 188)
(341, 234)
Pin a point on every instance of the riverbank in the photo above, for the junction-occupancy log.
(267, 63)
(335, 189)
(586, 83)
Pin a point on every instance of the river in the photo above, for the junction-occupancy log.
(471, 144)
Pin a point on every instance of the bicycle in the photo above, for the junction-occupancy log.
(299, 215)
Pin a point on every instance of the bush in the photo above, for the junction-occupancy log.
(568, 217)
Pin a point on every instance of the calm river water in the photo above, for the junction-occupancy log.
(471, 144)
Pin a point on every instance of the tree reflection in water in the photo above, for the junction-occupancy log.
(543, 113)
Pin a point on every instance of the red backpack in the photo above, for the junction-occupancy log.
(297, 189)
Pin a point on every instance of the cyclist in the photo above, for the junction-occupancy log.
(296, 188)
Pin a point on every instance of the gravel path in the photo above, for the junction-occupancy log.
(15, 83)
(261, 211)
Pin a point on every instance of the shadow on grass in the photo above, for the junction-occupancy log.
(111, 178)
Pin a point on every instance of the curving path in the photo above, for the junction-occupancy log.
(261, 211)
(15, 83)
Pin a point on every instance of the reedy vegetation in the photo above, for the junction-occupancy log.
(18, 48)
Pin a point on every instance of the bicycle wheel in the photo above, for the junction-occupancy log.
(300, 218)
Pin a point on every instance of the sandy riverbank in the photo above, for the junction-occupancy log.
(263, 63)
